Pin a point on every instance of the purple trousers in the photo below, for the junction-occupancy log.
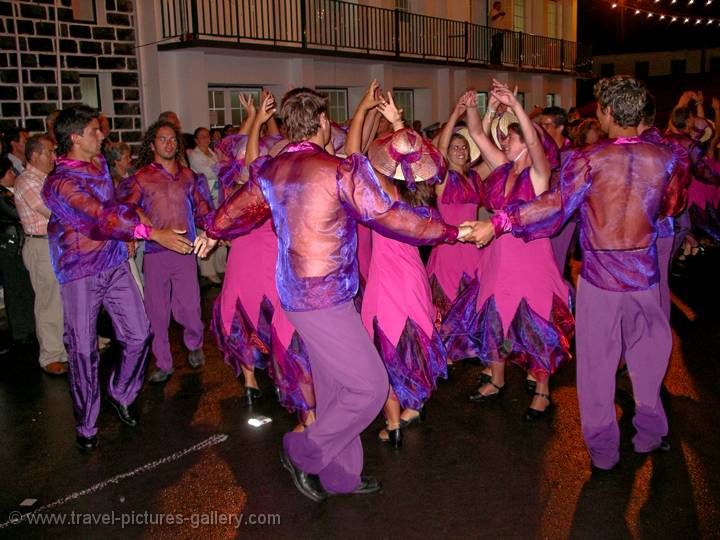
(351, 386)
(665, 251)
(172, 287)
(116, 291)
(561, 244)
(609, 324)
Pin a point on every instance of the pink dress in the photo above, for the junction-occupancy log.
(521, 311)
(398, 313)
(451, 267)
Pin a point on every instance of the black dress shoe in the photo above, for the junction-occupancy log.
(307, 484)
(368, 484)
(196, 358)
(252, 394)
(535, 414)
(86, 444)
(123, 412)
(477, 397)
(417, 419)
(393, 437)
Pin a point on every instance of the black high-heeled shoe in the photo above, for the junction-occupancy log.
(477, 397)
(419, 418)
(534, 414)
(252, 395)
(394, 437)
(484, 378)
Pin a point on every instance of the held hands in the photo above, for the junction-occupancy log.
(172, 239)
(478, 232)
(502, 94)
(373, 96)
(203, 245)
(267, 108)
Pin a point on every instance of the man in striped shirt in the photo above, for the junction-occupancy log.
(34, 215)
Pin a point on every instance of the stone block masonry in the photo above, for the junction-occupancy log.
(86, 48)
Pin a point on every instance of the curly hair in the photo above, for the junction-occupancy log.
(625, 96)
(300, 110)
(72, 120)
(146, 156)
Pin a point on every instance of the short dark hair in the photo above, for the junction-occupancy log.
(648, 113)
(625, 95)
(679, 117)
(5, 166)
(34, 145)
(198, 130)
(13, 135)
(146, 155)
(558, 114)
(71, 120)
(300, 110)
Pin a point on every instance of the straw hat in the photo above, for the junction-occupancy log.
(499, 126)
(474, 148)
(406, 155)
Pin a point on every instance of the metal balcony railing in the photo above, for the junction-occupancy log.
(338, 27)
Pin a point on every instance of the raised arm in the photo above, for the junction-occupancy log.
(491, 154)
(391, 113)
(354, 141)
(263, 115)
(247, 103)
(272, 127)
(361, 194)
(540, 169)
(447, 131)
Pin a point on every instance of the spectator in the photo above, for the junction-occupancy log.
(15, 144)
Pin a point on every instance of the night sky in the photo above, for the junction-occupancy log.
(609, 32)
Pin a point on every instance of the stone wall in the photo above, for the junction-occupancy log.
(85, 48)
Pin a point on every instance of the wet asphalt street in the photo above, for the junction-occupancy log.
(194, 468)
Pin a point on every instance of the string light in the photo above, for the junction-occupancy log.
(614, 6)
(649, 15)
(691, 2)
(686, 20)
(637, 11)
(674, 2)
(662, 17)
(674, 19)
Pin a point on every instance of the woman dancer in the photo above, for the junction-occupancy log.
(247, 322)
(523, 309)
(451, 267)
(397, 308)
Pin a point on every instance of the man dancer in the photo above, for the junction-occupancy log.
(618, 186)
(87, 232)
(315, 206)
(34, 215)
(15, 146)
(172, 196)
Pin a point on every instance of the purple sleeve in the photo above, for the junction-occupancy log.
(546, 214)
(128, 191)
(361, 194)
(74, 204)
(202, 200)
(242, 212)
(700, 166)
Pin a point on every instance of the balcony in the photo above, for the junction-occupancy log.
(337, 28)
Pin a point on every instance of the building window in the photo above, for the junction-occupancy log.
(481, 98)
(337, 104)
(90, 91)
(521, 98)
(607, 70)
(84, 10)
(216, 99)
(405, 100)
(553, 100)
(678, 66)
(554, 19)
(642, 70)
(519, 15)
(224, 104)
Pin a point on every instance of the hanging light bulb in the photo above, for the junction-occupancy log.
(698, 21)
(691, 2)
(637, 12)
(614, 6)
(673, 2)
(673, 19)
(649, 15)
(686, 20)
(710, 21)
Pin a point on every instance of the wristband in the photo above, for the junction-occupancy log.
(142, 231)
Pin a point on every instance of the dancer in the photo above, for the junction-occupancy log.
(522, 301)
(172, 195)
(397, 308)
(315, 201)
(452, 267)
(87, 232)
(618, 302)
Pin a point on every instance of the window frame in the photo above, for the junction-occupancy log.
(409, 119)
(227, 106)
(334, 90)
(75, 8)
(96, 78)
